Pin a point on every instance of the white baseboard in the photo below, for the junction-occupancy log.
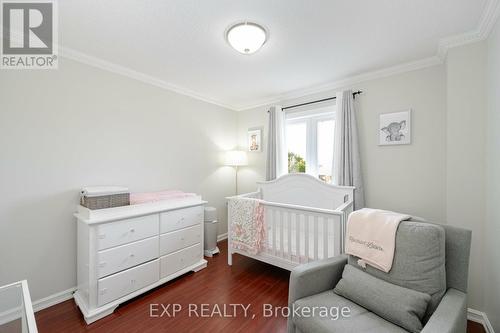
(10, 315)
(481, 318)
(53, 299)
(43, 303)
(221, 237)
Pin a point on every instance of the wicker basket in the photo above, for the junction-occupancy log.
(106, 201)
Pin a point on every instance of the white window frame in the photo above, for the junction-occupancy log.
(311, 119)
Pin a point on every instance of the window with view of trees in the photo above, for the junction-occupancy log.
(296, 163)
(310, 143)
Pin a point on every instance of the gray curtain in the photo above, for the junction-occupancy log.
(276, 161)
(346, 157)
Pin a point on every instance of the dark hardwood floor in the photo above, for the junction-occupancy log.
(246, 282)
(473, 327)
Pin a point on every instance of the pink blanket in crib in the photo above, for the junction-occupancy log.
(139, 198)
(248, 232)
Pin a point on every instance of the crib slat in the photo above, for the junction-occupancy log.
(274, 230)
(326, 221)
(316, 238)
(297, 237)
(289, 229)
(267, 219)
(337, 236)
(306, 236)
(281, 233)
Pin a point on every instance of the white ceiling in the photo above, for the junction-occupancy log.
(180, 44)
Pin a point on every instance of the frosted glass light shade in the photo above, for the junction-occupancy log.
(236, 158)
(246, 38)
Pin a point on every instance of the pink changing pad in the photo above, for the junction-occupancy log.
(140, 198)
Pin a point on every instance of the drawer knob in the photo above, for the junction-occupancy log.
(132, 281)
(132, 255)
(102, 264)
(103, 291)
(132, 230)
(182, 238)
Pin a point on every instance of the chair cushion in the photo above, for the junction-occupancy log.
(360, 320)
(419, 261)
(401, 306)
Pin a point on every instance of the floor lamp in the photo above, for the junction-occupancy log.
(236, 158)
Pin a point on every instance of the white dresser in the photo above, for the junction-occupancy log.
(126, 251)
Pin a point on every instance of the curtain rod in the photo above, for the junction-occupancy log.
(319, 101)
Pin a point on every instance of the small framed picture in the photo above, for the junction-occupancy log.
(395, 128)
(255, 140)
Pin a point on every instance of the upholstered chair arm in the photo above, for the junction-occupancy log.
(451, 314)
(315, 277)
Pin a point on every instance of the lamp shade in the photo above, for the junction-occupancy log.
(236, 158)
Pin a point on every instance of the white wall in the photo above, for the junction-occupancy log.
(60, 130)
(76, 126)
(465, 205)
(407, 178)
(451, 171)
(492, 225)
(440, 176)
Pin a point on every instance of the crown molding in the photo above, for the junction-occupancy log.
(489, 18)
(349, 81)
(486, 23)
(145, 78)
(448, 43)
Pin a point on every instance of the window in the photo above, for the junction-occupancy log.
(296, 132)
(309, 137)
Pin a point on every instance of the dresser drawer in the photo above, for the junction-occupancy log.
(125, 256)
(180, 218)
(126, 231)
(176, 261)
(126, 282)
(179, 239)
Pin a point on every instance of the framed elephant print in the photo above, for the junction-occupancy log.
(395, 128)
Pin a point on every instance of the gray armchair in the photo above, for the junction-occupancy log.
(311, 284)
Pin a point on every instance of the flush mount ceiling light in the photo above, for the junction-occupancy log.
(246, 37)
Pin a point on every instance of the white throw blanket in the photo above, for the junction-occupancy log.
(247, 224)
(371, 236)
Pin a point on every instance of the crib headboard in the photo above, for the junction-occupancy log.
(305, 190)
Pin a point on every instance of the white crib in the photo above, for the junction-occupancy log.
(304, 218)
